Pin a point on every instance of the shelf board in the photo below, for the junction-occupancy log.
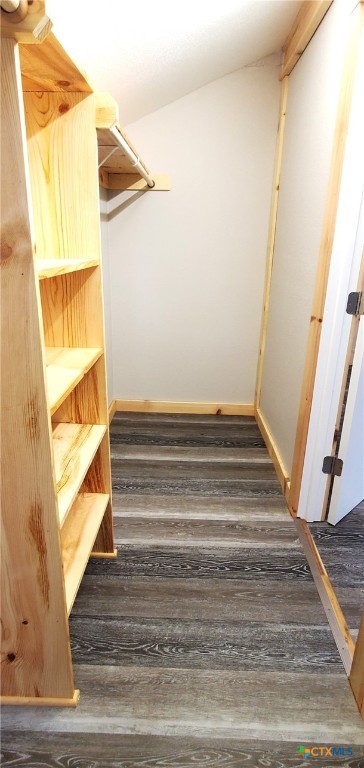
(77, 539)
(73, 357)
(48, 67)
(54, 267)
(74, 447)
(65, 367)
(60, 382)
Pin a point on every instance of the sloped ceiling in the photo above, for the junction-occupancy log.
(147, 53)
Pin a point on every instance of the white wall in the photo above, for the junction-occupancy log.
(106, 288)
(310, 122)
(187, 266)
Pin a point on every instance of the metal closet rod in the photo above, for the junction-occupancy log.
(134, 159)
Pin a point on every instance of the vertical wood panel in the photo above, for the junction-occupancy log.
(62, 152)
(308, 19)
(271, 236)
(72, 309)
(357, 670)
(36, 660)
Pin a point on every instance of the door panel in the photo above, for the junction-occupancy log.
(348, 490)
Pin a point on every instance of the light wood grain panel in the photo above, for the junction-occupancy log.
(36, 659)
(160, 406)
(127, 181)
(308, 19)
(65, 369)
(335, 616)
(112, 410)
(271, 236)
(33, 701)
(48, 67)
(115, 163)
(317, 311)
(72, 308)
(72, 357)
(105, 137)
(87, 403)
(63, 165)
(273, 451)
(356, 677)
(77, 537)
(60, 382)
(107, 110)
(74, 447)
(63, 151)
(53, 267)
(98, 478)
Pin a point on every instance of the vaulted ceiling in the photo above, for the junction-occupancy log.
(147, 53)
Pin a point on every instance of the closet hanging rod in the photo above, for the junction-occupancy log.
(134, 159)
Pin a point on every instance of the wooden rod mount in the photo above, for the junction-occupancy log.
(27, 22)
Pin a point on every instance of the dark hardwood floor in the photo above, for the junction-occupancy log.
(204, 643)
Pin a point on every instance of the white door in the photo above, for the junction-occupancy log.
(348, 489)
(345, 268)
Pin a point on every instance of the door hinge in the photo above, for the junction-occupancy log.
(355, 305)
(332, 466)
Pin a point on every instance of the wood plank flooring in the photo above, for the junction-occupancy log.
(205, 642)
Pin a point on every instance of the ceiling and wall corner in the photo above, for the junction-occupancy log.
(149, 53)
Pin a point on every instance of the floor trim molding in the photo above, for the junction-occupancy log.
(165, 406)
(339, 628)
(272, 449)
(112, 409)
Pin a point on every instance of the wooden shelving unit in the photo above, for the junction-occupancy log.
(53, 267)
(77, 538)
(65, 367)
(74, 448)
(56, 494)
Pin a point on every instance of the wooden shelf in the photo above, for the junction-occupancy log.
(74, 447)
(54, 267)
(77, 539)
(59, 489)
(48, 67)
(65, 367)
